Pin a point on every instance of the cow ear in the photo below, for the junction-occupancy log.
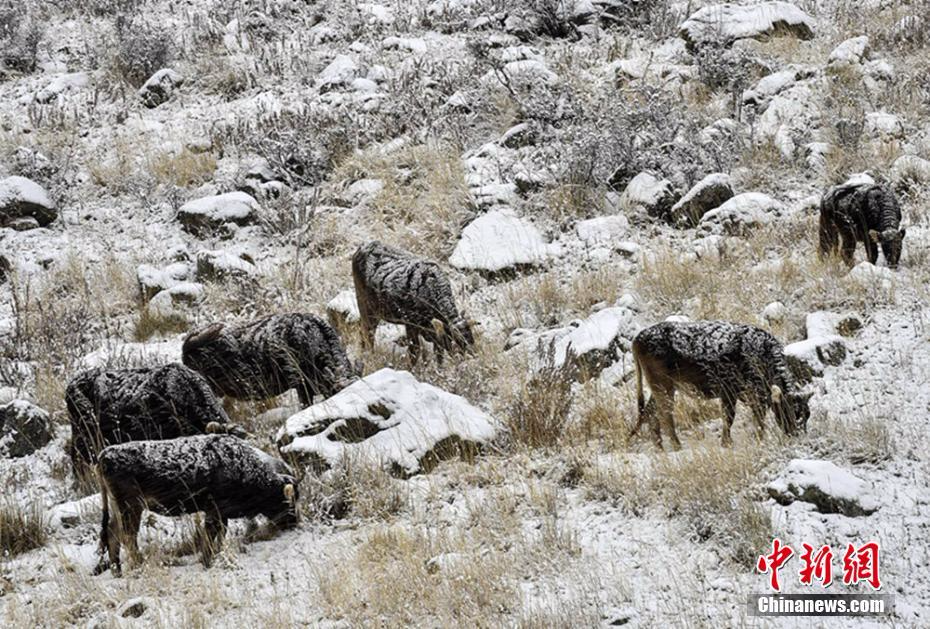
(776, 394)
(438, 327)
(289, 493)
(874, 236)
(901, 233)
(215, 428)
(206, 335)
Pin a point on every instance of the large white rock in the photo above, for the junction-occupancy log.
(391, 418)
(339, 73)
(726, 23)
(911, 168)
(828, 487)
(202, 216)
(598, 341)
(24, 428)
(497, 241)
(60, 85)
(790, 119)
(218, 265)
(849, 54)
(656, 196)
(602, 230)
(882, 125)
(742, 214)
(343, 308)
(23, 198)
(709, 193)
(159, 87)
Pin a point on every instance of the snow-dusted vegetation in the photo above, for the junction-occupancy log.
(579, 170)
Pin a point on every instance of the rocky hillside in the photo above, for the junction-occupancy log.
(580, 169)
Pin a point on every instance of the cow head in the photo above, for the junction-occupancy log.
(287, 517)
(459, 333)
(203, 350)
(891, 241)
(791, 409)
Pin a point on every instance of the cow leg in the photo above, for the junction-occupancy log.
(828, 236)
(758, 415)
(871, 249)
(413, 344)
(729, 414)
(131, 522)
(368, 325)
(848, 247)
(667, 410)
(215, 528)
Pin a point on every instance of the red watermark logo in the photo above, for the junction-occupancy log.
(860, 564)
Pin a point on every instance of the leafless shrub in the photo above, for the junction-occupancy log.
(20, 33)
(140, 48)
(538, 417)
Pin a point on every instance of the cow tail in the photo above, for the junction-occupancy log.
(105, 518)
(640, 395)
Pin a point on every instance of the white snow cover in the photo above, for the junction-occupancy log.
(597, 333)
(741, 213)
(810, 480)
(728, 22)
(647, 190)
(344, 304)
(499, 240)
(63, 83)
(231, 207)
(18, 189)
(119, 354)
(602, 230)
(411, 419)
(851, 52)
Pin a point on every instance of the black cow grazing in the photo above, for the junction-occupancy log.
(393, 285)
(221, 475)
(867, 213)
(717, 360)
(270, 356)
(108, 406)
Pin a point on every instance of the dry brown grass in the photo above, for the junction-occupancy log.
(183, 169)
(424, 200)
(22, 527)
(152, 323)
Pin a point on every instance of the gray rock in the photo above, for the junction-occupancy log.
(24, 428)
(830, 488)
(726, 23)
(134, 607)
(209, 214)
(24, 199)
(220, 265)
(159, 87)
(656, 196)
(742, 214)
(707, 194)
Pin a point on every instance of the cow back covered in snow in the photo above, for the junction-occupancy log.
(271, 355)
(394, 286)
(716, 359)
(108, 406)
(869, 214)
(220, 475)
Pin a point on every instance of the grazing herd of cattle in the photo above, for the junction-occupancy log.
(159, 438)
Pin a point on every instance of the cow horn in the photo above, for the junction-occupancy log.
(215, 428)
(439, 327)
(201, 337)
(776, 394)
(289, 493)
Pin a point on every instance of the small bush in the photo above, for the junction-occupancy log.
(354, 487)
(183, 169)
(20, 33)
(538, 417)
(22, 528)
(140, 49)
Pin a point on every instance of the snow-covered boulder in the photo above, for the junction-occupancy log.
(22, 198)
(741, 214)
(152, 280)
(726, 23)
(72, 513)
(213, 265)
(831, 489)
(867, 275)
(602, 230)
(159, 87)
(707, 194)
(849, 54)
(342, 309)
(389, 417)
(119, 354)
(790, 119)
(61, 84)
(498, 241)
(24, 428)
(208, 214)
(810, 357)
(339, 73)
(656, 196)
(911, 168)
(882, 125)
(774, 312)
